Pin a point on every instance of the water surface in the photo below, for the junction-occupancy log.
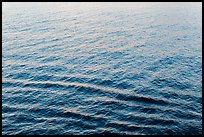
(102, 68)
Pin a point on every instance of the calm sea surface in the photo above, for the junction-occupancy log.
(102, 68)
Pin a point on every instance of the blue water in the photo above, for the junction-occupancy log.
(102, 68)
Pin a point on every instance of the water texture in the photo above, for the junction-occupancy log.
(102, 68)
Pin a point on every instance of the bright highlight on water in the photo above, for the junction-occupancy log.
(101, 68)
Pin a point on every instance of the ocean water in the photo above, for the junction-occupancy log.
(102, 68)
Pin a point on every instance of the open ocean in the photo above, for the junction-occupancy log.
(102, 68)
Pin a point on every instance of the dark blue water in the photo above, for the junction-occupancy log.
(102, 68)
